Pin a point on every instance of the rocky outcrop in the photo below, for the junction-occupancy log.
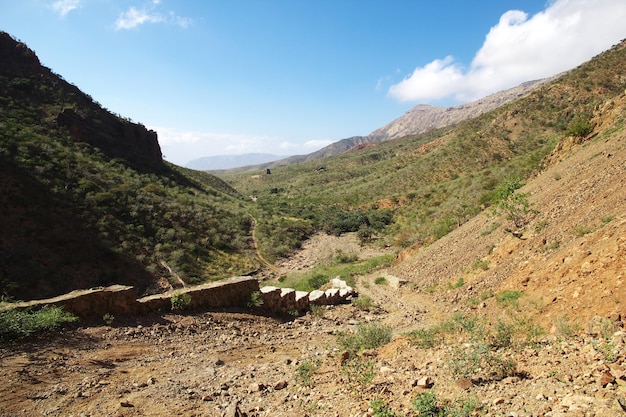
(288, 300)
(114, 136)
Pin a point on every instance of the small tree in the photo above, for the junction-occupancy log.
(514, 205)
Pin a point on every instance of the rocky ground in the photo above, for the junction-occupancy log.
(525, 324)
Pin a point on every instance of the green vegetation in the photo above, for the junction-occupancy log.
(180, 301)
(426, 404)
(380, 281)
(515, 206)
(363, 302)
(90, 208)
(509, 298)
(343, 267)
(19, 324)
(306, 370)
(359, 371)
(367, 336)
(580, 231)
(255, 300)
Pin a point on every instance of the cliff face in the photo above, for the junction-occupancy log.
(85, 119)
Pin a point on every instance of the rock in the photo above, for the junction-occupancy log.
(498, 401)
(606, 378)
(126, 404)
(255, 387)
(464, 383)
(281, 385)
(425, 382)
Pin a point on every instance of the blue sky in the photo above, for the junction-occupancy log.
(291, 76)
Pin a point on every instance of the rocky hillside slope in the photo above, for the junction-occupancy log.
(485, 323)
(421, 118)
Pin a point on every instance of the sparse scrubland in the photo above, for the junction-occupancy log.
(489, 259)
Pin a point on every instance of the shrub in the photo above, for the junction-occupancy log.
(580, 126)
(514, 205)
(255, 299)
(306, 370)
(426, 404)
(509, 298)
(478, 361)
(367, 336)
(180, 301)
(380, 281)
(380, 408)
(359, 370)
(427, 338)
(16, 324)
(363, 302)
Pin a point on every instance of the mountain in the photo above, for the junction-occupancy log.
(421, 118)
(87, 199)
(210, 163)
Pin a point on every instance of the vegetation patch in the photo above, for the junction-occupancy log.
(19, 324)
(366, 336)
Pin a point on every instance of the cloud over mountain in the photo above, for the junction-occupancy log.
(520, 48)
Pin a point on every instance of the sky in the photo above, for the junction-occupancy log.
(288, 77)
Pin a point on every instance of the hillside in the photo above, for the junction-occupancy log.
(219, 162)
(535, 330)
(87, 199)
(506, 297)
(421, 118)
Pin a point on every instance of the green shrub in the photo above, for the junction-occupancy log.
(18, 324)
(363, 302)
(426, 405)
(380, 281)
(427, 338)
(306, 370)
(509, 298)
(358, 370)
(380, 408)
(478, 361)
(255, 299)
(580, 126)
(367, 336)
(180, 301)
(515, 206)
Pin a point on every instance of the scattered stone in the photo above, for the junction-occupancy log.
(606, 378)
(126, 404)
(498, 401)
(281, 385)
(425, 382)
(464, 383)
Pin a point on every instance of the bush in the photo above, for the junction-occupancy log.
(255, 299)
(514, 205)
(367, 336)
(306, 370)
(180, 301)
(15, 324)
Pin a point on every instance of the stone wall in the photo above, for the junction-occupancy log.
(122, 300)
(233, 292)
(288, 300)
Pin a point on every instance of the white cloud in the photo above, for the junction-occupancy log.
(519, 49)
(182, 146)
(134, 17)
(63, 7)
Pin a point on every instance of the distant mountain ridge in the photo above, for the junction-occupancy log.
(209, 163)
(421, 118)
